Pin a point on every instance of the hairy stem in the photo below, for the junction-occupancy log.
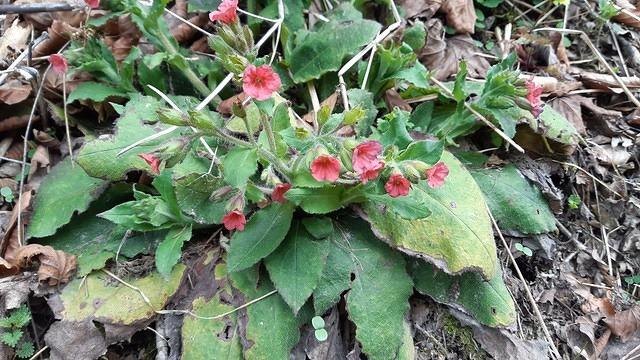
(188, 72)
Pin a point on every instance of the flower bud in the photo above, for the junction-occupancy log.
(345, 158)
(201, 121)
(236, 202)
(172, 117)
(410, 172)
(220, 193)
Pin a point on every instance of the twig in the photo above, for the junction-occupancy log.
(36, 8)
(369, 63)
(45, 348)
(601, 58)
(588, 174)
(480, 117)
(135, 288)
(22, 56)
(187, 22)
(66, 118)
(187, 312)
(536, 310)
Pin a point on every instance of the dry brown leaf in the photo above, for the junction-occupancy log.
(56, 267)
(10, 241)
(553, 86)
(14, 91)
(629, 15)
(461, 15)
(14, 122)
(329, 102)
(40, 159)
(13, 41)
(442, 56)
(184, 33)
(6, 269)
(226, 105)
(394, 100)
(59, 33)
(42, 20)
(571, 108)
(625, 323)
(426, 8)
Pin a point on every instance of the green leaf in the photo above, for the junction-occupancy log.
(523, 249)
(392, 129)
(170, 249)
(97, 92)
(415, 36)
(98, 157)
(323, 50)
(378, 299)
(321, 334)
(147, 214)
(318, 226)
(11, 338)
(194, 198)
(210, 339)
(489, 302)
(66, 190)
(336, 277)
(264, 231)
(363, 99)
(415, 75)
(20, 317)
(164, 185)
(426, 151)
(116, 303)
(295, 267)
(457, 236)
(91, 239)
(7, 194)
(407, 207)
(25, 350)
(317, 201)
(271, 329)
(239, 165)
(555, 126)
(516, 205)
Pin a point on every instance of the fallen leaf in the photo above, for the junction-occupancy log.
(624, 323)
(394, 100)
(6, 269)
(442, 55)
(608, 82)
(10, 242)
(75, 340)
(226, 105)
(461, 15)
(14, 91)
(56, 267)
(59, 33)
(329, 102)
(425, 8)
(13, 41)
(40, 159)
(14, 122)
(630, 14)
(570, 107)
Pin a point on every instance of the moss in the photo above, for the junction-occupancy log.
(462, 336)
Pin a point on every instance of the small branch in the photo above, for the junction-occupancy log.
(36, 8)
(216, 317)
(480, 117)
(22, 56)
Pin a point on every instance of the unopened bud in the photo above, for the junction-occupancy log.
(410, 172)
(236, 202)
(220, 193)
(172, 117)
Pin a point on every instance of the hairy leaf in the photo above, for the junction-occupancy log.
(238, 165)
(94, 91)
(170, 249)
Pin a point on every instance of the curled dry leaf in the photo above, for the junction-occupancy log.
(56, 267)
(10, 242)
(14, 122)
(59, 33)
(184, 33)
(226, 105)
(393, 100)
(13, 41)
(607, 82)
(14, 91)
(425, 8)
(461, 15)
(329, 102)
(629, 15)
(625, 323)
(442, 55)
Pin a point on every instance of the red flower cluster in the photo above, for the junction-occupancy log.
(226, 13)
(58, 63)
(533, 96)
(278, 193)
(260, 82)
(234, 220)
(397, 185)
(94, 4)
(365, 160)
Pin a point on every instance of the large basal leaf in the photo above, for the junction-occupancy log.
(271, 330)
(66, 190)
(317, 200)
(515, 204)
(336, 276)
(555, 126)
(457, 236)
(94, 91)
(295, 267)
(238, 165)
(210, 339)
(489, 302)
(99, 297)
(98, 157)
(262, 234)
(378, 299)
(324, 50)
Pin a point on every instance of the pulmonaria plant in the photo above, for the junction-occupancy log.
(58, 63)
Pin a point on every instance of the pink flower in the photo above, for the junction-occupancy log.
(260, 82)
(234, 220)
(94, 4)
(372, 172)
(365, 156)
(533, 96)
(153, 161)
(58, 63)
(397, 185)
(437, 174)
(325, 168)
(226, 12)
(279, 191)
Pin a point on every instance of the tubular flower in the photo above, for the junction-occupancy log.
(371, 172)
(153, 161)
(234, 220)
(397, 185)
(365, 156)
(58, 63)
(94, 4)
(260, 82)
(437, 174)
(279, 191)
(226, 13)
(533, 96)
(325, 168)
